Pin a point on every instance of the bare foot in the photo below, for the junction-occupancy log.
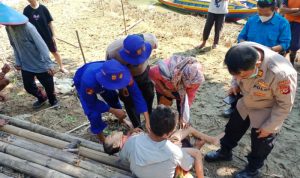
(214, 46)
(202, 45)
(63, 70)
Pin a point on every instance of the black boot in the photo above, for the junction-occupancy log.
(248, 173)
(219, 155)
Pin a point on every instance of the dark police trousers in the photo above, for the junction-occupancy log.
(146, 87)
(260, 147)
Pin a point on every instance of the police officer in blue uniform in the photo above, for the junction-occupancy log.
(105, 78)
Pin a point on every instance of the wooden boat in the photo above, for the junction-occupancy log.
(238, 10)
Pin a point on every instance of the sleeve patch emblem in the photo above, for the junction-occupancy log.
(284, 89)
(89, 91)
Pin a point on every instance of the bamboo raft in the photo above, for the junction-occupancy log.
(37, 151)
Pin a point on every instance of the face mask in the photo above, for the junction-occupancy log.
(254, 74)
(265, 18)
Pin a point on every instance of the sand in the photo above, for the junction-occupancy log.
(177, 33)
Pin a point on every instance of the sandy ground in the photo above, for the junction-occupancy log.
(98, 24)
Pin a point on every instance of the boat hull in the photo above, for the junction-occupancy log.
(233, 15)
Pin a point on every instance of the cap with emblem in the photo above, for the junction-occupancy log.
(113, 75)
(135, 50)
(9, 16)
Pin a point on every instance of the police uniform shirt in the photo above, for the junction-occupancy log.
(268, 98)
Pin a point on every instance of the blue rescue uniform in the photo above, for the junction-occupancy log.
(88, 87)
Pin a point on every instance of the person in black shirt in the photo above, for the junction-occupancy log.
(41, 18)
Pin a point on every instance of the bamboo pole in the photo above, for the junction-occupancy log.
(131, 26)
(51, 133)
(29, 168)
(63, 156)
(67, 42)
(46, 161)
(86, 152)
(125, 30)
(78, 127)
(80, 47)
(4, 176)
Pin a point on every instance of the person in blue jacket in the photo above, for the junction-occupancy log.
(105, 78)
(267, 27)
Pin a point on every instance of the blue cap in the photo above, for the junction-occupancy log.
(9, 16)
(135, 50)
(113, 75)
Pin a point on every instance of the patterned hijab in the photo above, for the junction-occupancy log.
(184, 72)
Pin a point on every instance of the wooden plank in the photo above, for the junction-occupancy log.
(46, 161)
(29, 168)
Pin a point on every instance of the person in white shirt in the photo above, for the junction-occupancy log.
(216, 15)
(153, 155)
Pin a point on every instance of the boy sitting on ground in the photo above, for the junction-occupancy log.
(153, 155)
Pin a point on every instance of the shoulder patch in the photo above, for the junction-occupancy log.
(260, 73)
(284, 89)
(284, 82)
(89, 91)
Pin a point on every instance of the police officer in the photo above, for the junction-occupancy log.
(105, 78)
(133, 53)
(268, 83)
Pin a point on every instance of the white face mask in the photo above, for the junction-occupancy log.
(254, 74)
(265, 18)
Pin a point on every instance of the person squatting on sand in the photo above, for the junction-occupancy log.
(104, 78)
(268, 83)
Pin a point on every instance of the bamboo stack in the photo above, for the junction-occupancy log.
(37, 151)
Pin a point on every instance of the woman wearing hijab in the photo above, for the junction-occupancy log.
(178, 78)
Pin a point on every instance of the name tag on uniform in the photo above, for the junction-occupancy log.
(261, 94)
(261, 85)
